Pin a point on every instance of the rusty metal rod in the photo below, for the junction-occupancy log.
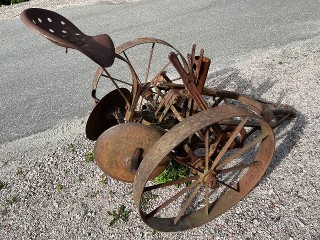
(187, 203)
(170, 200)
(149, 63)
(239, 167)
(241, 151)
(174, 182)
(229, 142)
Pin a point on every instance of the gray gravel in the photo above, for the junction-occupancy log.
(51, 192)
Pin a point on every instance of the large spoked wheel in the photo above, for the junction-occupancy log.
(225, 163)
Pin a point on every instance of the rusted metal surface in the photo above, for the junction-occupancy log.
(64, 33)
(189, 80)
(116, 149)
(224, 138)
(109, 111)
(200, 67)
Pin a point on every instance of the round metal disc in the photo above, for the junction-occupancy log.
(114, 149)
(101, 117)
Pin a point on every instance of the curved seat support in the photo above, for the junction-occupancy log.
(62, 32)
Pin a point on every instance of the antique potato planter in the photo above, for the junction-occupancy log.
(154, 117)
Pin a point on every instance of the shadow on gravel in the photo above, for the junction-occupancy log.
(287, 134)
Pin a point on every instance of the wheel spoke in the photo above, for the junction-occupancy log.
(237, 168)
(187, 165)
(229, 142)
(116, 85)
(149, 62)
(228, 186)
(117, 80)
(176, 79)
(187, 203)
(207, 200)
(241, 151)
(161, 70)
(207, 148)
(190, 152)
(129, 62)
(214, 146)
(200, 135)
(174, 182)
(172, 199)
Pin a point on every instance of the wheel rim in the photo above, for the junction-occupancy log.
(201, 201)
(153, 42)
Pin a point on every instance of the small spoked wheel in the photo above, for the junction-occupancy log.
(226, 158)
(147, 59)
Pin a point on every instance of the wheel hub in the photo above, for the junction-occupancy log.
(209, 179)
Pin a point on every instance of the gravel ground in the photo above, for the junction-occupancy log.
(50, 191)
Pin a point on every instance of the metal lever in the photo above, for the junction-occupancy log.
(189, 81)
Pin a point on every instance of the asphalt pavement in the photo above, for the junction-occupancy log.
(41, 86)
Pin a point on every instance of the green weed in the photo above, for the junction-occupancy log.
(89, 157)
(4, 212)
(121, 214)
(18, 1)
(59, 187)
(103, 180)
(70, 147)
(112, 193)
(13, 199)
(8, 2)
(2, 185)
(173, 171)
(85, 208)
(81, 177)
(19, 172)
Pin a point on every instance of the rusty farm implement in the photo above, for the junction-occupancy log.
(154, 117)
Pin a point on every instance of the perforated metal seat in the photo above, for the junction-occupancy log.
(62, 32)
